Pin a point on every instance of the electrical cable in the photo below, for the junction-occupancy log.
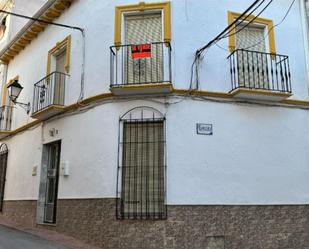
(238, 23)
(42, 21)
(273, 27)
(251, 21)
(244, 14)
(199, 52)
(81, 95)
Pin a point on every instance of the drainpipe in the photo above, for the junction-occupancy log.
(305, 22)
(82, 83)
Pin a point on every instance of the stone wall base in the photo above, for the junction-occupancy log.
(187, 227)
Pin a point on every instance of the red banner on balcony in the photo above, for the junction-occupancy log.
(141, 51)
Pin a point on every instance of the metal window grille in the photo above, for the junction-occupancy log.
(3, 166)
(141, 178)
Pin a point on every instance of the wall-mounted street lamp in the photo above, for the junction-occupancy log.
(14, 91)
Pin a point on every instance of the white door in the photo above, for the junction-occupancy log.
(59, 78)
(143, 29)
(252, 62)
(60, 62)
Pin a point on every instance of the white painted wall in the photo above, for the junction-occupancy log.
(14, 24)
(191, 29)
(257, 155)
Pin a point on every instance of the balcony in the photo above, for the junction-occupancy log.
(5, 120)
(49, 95)
(141, 69)
(260, 76)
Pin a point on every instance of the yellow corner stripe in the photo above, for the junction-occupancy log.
(184, 92)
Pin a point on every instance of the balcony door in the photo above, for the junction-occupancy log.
(252, 61)
(51, 195)
(59, 85)
(141, 30)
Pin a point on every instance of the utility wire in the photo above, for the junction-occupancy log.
(81, 95)
(199, 52)
(242, 28)
(272, 28)
(244, 14)
(236, 23)
(42, 21)
(251, 21)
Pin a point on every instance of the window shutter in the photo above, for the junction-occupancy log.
(143, 170)
(251, 36)
(142, 29)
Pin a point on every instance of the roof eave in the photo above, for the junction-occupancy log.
(49, 11)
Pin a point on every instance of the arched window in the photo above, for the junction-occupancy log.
(3, 164)
(141, 165)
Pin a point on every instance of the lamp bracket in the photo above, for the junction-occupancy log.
(26, 107)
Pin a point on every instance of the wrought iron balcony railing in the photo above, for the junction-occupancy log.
(140, 64)
(49, 91)
(258, 70)
(6, 118)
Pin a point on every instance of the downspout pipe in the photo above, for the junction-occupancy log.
(305, 22)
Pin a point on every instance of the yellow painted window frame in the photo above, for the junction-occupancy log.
(267, 22)
(5, 90)
(66, 43)
(142, 6)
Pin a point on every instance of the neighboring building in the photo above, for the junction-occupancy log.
(120, 151)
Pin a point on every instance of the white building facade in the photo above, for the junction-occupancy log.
(122, 149)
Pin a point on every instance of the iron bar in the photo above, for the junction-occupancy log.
(49, 91)
(147, 69)
(141, 174)
(267, 71)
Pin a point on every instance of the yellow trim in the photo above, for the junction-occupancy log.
(25, 127)
(4, 134)
(5, 90)
(267, 22)
(295, 102)
(37, 114)
(66, 43)
(260, 92)
(142, 6)
(202, 93)
(107, 96)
